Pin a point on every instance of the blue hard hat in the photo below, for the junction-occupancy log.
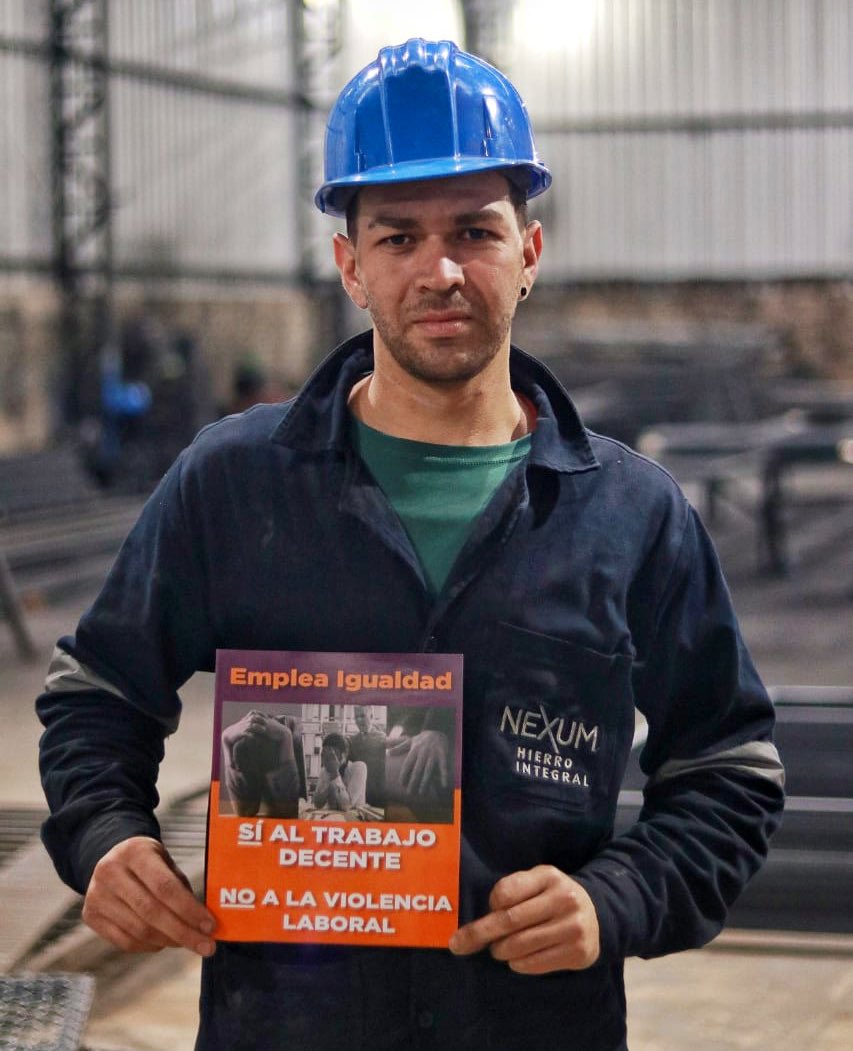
(426, 110)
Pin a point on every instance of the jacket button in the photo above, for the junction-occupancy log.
(431, 644)
(425, 1019)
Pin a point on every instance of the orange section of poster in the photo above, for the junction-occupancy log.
(338, 882)
(335, 799)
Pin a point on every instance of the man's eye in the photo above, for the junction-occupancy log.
(397, 240)
(475, 233)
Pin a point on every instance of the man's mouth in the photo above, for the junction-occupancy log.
(442, 322)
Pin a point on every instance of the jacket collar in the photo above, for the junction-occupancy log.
(317, 421)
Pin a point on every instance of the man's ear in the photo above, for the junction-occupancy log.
(346, 264)
(532, 252)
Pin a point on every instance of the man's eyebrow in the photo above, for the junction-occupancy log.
(396, 222)
(400, 222)
(482, 215)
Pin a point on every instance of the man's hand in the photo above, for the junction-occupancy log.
(541, 920)
(140, 902)
(330, 761)
(427, 764)
(253, 722)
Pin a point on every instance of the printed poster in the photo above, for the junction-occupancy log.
(335, 797)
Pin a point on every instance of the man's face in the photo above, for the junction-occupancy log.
(439, 264)
(362, 718)
(332, 759)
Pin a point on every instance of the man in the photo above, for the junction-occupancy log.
(433, 489)
(342, 781)
(263, 766)
(368, 746)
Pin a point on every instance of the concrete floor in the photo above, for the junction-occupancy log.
(717, 999)
(708, 1000)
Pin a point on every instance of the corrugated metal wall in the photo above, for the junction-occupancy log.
(688, 138)
(25, 235)
(691, 138)
(202, 180)
(203, 124)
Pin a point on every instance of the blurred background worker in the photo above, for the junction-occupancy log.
(432, 488)
(248, 387)
(251, 385)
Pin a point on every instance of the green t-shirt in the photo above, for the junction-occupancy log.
(437, 491)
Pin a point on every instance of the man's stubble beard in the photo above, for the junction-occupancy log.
(439, 364)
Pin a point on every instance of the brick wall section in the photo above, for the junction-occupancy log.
(813, 319)
(284, 330)
(288, 330)
(27, 361)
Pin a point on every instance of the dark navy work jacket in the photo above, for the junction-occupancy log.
(587, 588)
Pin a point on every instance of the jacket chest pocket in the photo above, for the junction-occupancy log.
(556, 724)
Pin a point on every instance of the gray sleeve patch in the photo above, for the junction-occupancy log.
(68, 675)
(759, 758)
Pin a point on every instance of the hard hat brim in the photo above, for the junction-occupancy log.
(334, 197)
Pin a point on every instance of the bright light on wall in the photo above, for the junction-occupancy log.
(555, 25)
(372, 24)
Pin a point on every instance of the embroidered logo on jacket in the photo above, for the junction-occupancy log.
(545, 758)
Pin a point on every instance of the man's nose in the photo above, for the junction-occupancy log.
(440, 271)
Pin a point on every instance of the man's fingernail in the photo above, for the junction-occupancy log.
(453, 944)
(207, 926)
(206, 948)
